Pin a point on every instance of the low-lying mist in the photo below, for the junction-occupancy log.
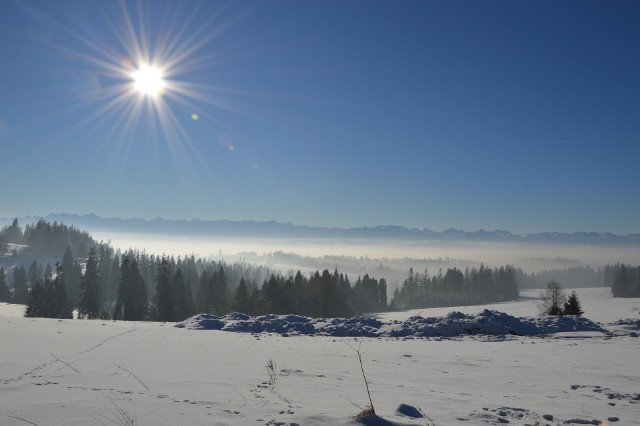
(529, 257)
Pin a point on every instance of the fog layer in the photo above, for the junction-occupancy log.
(529, 257)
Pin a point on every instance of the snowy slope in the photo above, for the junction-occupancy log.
(597, 302)
(65, 372)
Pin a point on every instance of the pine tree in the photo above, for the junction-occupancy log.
(37, 300)
(13, 233)
(131, 303)
(33, 273)
(272, 295)
(241, 298)
(5, 294)
(91, 291)
(382, 290)
(220, 295)
(20, 290)
(48, 272)
(572, 305)
(48, 298)
(164, 291)
(190, 304)
(183, 302)
(72, 276)
(114, 279)
(345, 296)
(204, 305)
(328, 294)
(58, 301)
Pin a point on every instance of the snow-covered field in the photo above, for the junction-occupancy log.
(70, 372)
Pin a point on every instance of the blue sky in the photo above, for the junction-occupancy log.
(514, 115)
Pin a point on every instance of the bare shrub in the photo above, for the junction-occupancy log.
(272, 371)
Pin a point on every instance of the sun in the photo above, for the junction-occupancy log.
(149, 80)
(137, 79)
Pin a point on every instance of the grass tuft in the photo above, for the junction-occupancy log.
(367, 411)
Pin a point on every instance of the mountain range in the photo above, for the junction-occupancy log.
(272, 229)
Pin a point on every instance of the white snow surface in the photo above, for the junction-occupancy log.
(10, 310)
(73, 372)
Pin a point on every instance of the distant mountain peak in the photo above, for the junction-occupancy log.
(274, 229)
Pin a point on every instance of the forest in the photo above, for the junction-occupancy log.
(100, 282)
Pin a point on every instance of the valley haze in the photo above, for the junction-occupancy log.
(233, 239)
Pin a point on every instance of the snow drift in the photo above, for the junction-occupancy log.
(487, 322)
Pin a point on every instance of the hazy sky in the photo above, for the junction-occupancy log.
(496, 114)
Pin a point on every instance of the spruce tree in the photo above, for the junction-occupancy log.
(72, 276)
(203, 304)
(37, 300)
(59, 303)
(220, 295)
(382, 290)
(13, 233)
(241, 298)
(48, 272)
(33, 273)
(183, 302)
(91, 291)
(131, 302)
(48, 298)
(20, 290)
(327, 295)
(164, 291)
(572, 305)
(5, 294)
(114, 278)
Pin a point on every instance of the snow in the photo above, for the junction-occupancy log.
(454, 324)
(72, 372)
(597, 302)
(8, 310)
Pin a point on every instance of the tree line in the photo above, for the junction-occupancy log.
(474, 286)
(134, 285)
(53, 293)
(624, 280)
(46, 239)
(137, 286)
